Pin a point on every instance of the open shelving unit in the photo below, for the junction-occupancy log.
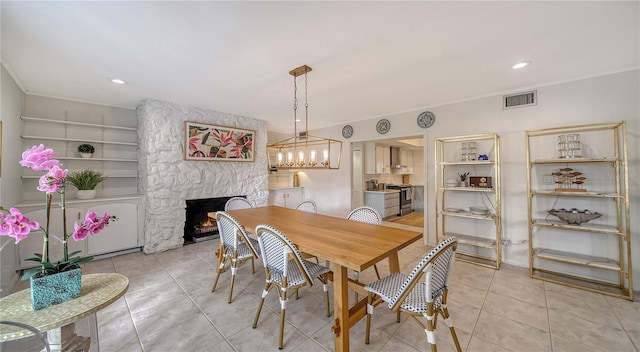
(593, 255)
(115, 156)
(479, 235)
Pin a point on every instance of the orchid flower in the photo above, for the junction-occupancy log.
(38, 158)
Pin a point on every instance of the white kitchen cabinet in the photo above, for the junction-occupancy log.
(121, 234)
(386, 203)
(369, 158)
(377, 159)
(383, 159)
(406, 159)
(286, 197)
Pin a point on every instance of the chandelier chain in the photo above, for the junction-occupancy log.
(306, 106)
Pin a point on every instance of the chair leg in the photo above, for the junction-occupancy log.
(219, 271)
(431, 337)
(215, 282)
(281, 338)
(449, 323)
(375, 267)
(283, 292)
(369, 313)
(325, 288)
(253, 266)
(267, 287)
(233, 280)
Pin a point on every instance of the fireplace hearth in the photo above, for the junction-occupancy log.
(197, 225)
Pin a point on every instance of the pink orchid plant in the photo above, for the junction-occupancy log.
(16, 225)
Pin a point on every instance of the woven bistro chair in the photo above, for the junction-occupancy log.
(369, 216)
(410, 295)
(286, 271)
(235, 247)
(309, 206)
(237, 203)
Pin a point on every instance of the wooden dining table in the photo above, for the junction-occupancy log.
(346, 244)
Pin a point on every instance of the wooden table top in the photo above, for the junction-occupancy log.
(98, 291)
(352, 244)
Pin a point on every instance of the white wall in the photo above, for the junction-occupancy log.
(606, 98)
(12, 103)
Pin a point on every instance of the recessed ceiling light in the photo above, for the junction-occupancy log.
(520, 65)
(118, 81)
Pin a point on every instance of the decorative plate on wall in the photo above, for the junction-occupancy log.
(426, 119)
(347, 131)
(383, 126)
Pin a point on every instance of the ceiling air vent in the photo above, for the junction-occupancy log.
(520, 100)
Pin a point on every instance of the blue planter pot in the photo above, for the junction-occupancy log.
(54, 289)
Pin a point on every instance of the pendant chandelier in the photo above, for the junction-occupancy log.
(303, 151)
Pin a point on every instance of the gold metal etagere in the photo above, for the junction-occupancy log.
(484, 249)
(606, 268)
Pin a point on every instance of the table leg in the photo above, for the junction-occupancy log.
(394, 263)
(64, 339)
(340, 307)
(93, 331)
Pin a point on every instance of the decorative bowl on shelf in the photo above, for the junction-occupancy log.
(479, 210)
(575, 216)
(451, 182)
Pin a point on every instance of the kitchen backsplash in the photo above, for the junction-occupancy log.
(384, 178)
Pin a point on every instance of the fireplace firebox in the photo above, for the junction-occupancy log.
(198, 226)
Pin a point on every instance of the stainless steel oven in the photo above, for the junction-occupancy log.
(406, 198)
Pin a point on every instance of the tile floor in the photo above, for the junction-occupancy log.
(170, 307)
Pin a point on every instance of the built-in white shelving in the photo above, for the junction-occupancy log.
(115, 155)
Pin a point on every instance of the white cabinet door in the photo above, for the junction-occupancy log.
(120, 234)
(383, 159)
(288, 198)
(277, 197)
(33, 243)
(375, 201)
(406, 159)
(296, 196)
(370, 158)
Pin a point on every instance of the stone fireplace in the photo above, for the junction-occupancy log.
(167, 181)
(198, 226)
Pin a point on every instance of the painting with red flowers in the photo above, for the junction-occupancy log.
(218, 143)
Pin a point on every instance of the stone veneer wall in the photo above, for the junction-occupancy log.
(166, 180)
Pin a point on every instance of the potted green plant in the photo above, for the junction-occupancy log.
(463, 179)
(86, 150)
(85, 181)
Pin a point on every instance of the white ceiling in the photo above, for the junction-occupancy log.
(369, 59)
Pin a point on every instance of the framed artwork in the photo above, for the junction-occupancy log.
(206, 142)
